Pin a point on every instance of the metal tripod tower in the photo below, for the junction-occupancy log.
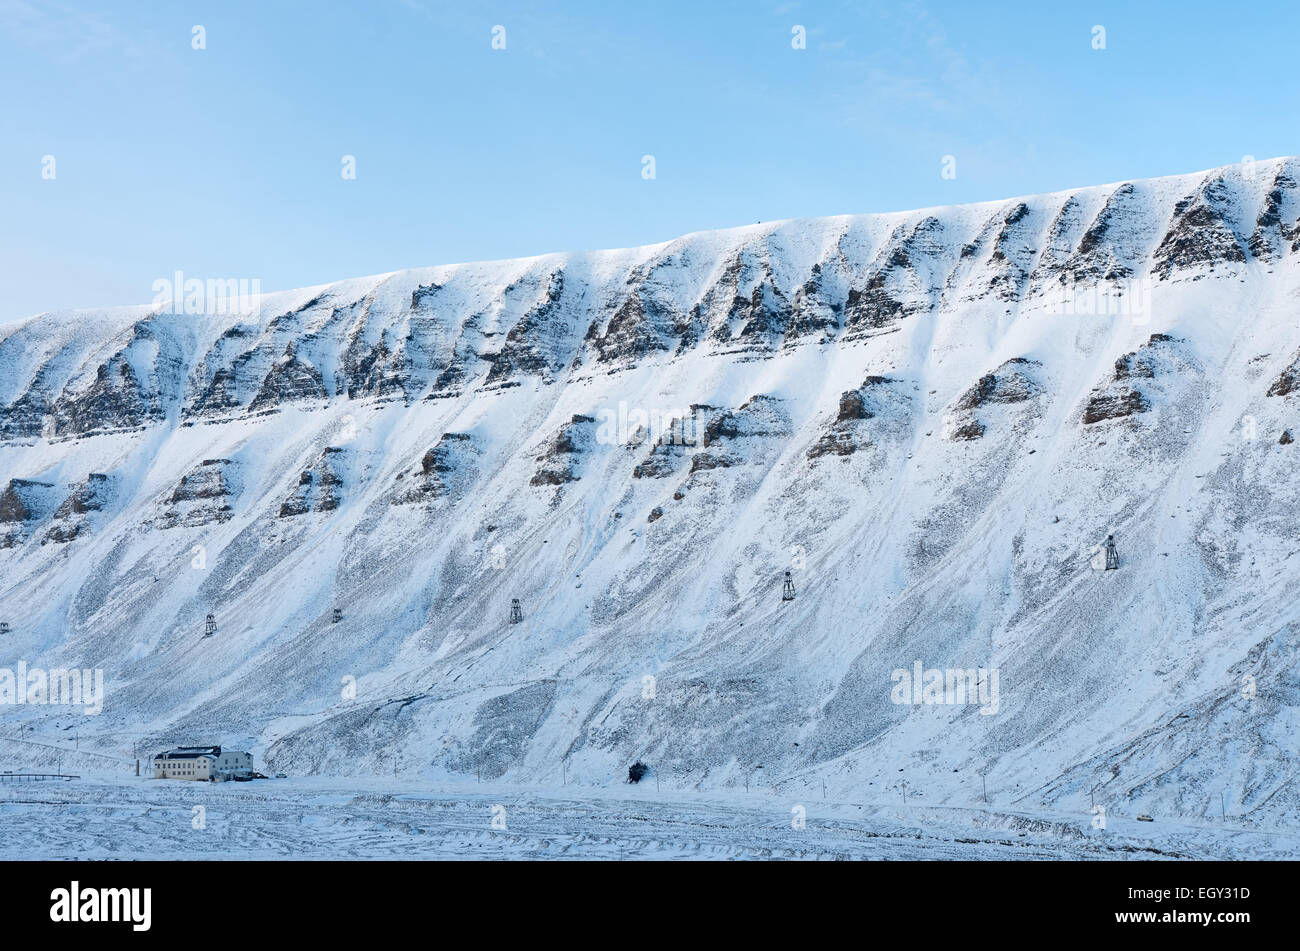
(516, 612)
(1112, 556)
(787, 593)
(210, 626)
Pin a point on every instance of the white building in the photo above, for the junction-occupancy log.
(202, 762)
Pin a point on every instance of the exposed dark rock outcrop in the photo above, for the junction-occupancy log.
(1101, 255)
(764, 317)
(852, 406)
(703, 461)
(1122, 395)
(631, 333)
(1114, 406)
(23, 504)
(441, 469)
(814, 310)
(528, 342)
(1272, 234)
(721, 304)
(845, 436)
(721, 426)
(759, 416)
(221, 396)
(562, 459)
(373, 370)
(290, 379)
(674, 444)
(1141, 363)
(896, 287)
(116, 401)
(1199, 235)
(28, 416)
(1012, 255)
(705, 433)
(451, 379)
(202, 497)
(1133, 365)
(1058, 247)
(72, 517)
(1288, 381)
(320, 486)
(1009, 383)
(226, 376)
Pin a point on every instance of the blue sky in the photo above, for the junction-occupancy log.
(225, 162)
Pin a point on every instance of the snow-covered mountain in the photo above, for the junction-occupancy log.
(932, 419)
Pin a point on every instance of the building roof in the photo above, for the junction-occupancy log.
(195, 752)
(189, 752)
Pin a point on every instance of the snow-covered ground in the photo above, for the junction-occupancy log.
(394, 819)
(907, 412)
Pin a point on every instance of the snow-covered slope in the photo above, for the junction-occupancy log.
(932, 420)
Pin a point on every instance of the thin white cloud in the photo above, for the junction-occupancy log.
(67, 32)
